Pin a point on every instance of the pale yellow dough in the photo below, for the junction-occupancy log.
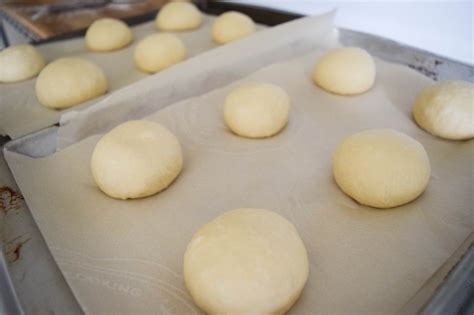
(246, 261)
(382, 168)
(20, 62)
(70, 81)
(257, 109)
(136, 159)
(157, 52)
(345, 71)
(446, 110)
(178, 16)
(107, 34)
(232, 26)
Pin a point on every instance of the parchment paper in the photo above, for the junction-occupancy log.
(126, 256)
(211, 70)
(20, 111)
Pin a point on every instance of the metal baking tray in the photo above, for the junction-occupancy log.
(31, 282)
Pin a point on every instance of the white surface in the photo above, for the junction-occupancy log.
(442, 27)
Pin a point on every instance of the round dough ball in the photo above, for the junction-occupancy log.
(20, 62)
(178, 16)
(159, 51)
(446, 110)
(108, 34)
(382, 168)
(246, 261)
(231, 26)
(257, 110)
(136, 159)
(66, 82)
(345, 71)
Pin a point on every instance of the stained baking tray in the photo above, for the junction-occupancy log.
(40, 286)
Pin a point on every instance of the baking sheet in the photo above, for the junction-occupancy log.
(126, 256)
(20, 111)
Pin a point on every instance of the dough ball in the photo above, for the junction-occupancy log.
(178, 16)
(108, 34)
(246, 261)
(231, 26)
(257, 110)
(20, 62)
(446, 110)
(70, 81)
(136, 159)
(345, 71)
(382, 168)
(159, 51)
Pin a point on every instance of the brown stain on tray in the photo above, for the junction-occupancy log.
(13, 247)
(16, 251)
(9, 199)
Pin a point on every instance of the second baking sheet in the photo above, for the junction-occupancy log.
(20, 111)
(126, 256)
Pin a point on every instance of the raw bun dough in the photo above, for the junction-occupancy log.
(257, 110)
(20, 62)
(246, 261)
(178, 16)
(382, 168)
(159, 51)
(69, 81)
(345, 71)
(108, 34)
(136, 159)
(231, 26)
(446, 110)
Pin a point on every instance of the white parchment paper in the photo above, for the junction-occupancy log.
(126, 256)
(20, 111)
